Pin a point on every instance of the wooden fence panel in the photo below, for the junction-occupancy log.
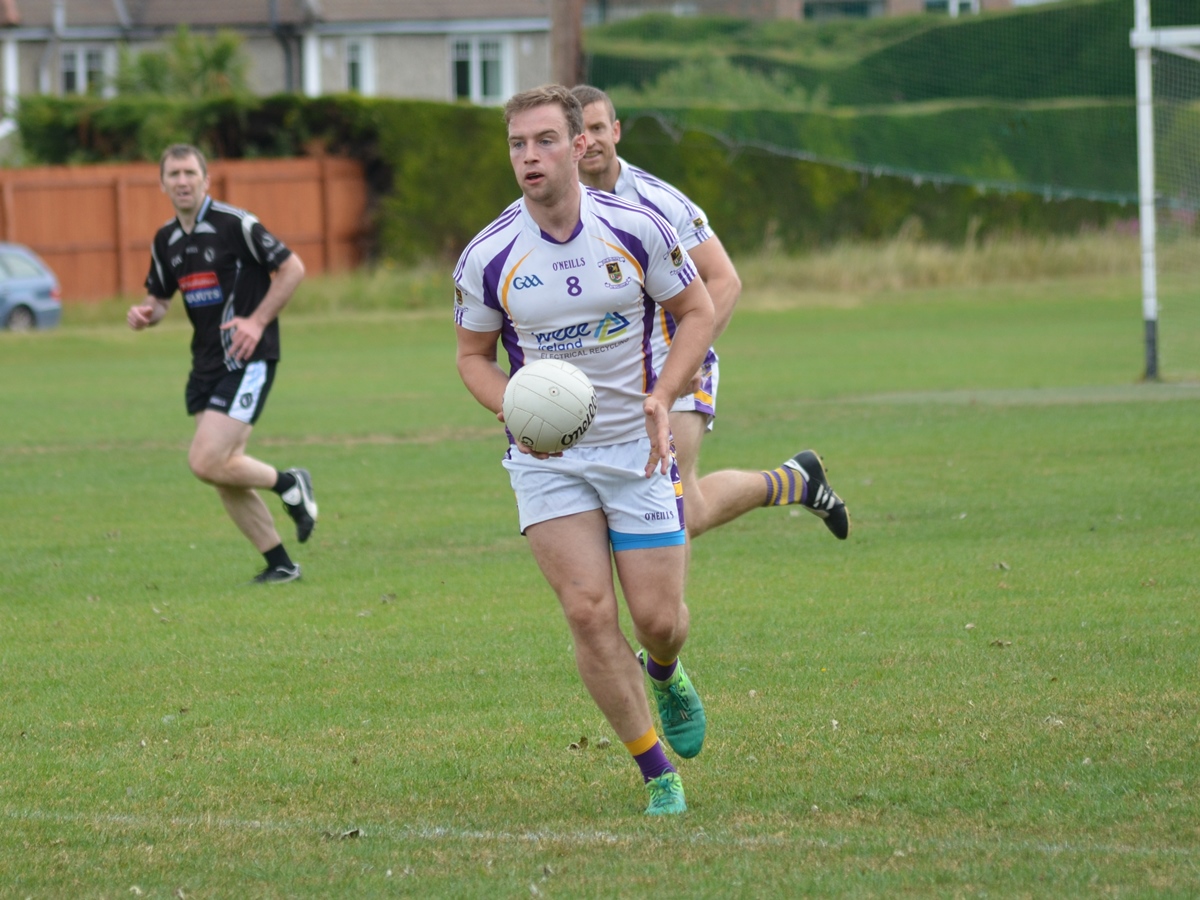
(93, 224)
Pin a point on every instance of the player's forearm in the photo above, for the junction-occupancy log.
(477, 366)
(725, 291)
(159, 309)
(149, 312)
(485, 380)
(283, 285)
(720, 277)
(693, 337)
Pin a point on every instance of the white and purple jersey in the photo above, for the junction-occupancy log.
(640, 187)
(591, 300)
(690, 222)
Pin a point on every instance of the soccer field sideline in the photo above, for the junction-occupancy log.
(360, 830)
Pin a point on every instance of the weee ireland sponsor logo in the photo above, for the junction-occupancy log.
(612, 326)
(569, 338)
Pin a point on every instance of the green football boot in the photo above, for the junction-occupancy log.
(666, 795)
(681, 713)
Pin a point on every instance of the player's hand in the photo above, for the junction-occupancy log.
(141, 316)
(658, 427)
(246, 335)
(522, 448)
(534, 453)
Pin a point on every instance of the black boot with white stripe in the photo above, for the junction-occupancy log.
(819, 498)
(301, 503)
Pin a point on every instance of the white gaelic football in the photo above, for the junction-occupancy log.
(548, 405)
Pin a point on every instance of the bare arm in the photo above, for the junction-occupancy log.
(692, 310)
(149, 312)
(721, 279)
(478, 369)
(247, 332)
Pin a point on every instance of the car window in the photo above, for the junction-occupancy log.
(18, 266)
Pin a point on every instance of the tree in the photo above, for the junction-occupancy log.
(191, 66)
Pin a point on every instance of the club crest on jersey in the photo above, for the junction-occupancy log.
(458, 297)
(677, 256)
(614, 272)
(698, 222)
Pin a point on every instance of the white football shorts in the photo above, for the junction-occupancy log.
(641, 511)
(704, 400)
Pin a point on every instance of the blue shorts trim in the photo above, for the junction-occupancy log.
(621, 540)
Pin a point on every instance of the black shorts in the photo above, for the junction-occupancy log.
(241, 394)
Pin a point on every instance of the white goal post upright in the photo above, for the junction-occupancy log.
(1145, 39)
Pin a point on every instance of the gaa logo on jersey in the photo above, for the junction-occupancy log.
(201, 289)
(614, 272)
(526, 281)
(677, 256)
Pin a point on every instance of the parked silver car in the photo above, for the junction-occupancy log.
(29, 293)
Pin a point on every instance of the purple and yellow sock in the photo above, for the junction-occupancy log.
(660, 671)
(784, 486)
(648, 753)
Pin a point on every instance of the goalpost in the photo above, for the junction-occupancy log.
(1181, 42)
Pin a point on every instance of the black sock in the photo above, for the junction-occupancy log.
(278, 558)
(284, 481)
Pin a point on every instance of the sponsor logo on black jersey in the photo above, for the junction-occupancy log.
(201, 289)
(246, 400)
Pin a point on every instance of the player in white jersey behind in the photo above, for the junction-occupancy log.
(718, 497)
(576, 274)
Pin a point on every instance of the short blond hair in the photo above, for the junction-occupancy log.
(548, 95)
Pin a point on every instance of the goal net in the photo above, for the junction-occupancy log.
(1168, 60)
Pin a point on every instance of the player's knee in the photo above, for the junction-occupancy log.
(660, 626)
(588, 615)
(204, 465)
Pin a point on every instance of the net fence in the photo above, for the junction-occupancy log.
(1036, 99)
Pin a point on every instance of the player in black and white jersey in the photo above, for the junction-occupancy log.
(234, 277)
(718, 497)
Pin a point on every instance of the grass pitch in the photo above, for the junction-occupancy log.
(989, 690)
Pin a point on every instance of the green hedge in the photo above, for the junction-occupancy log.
(752, 196)
(439, 172)
(1078, 48)
(1085, 150)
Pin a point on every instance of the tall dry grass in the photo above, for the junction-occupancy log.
(839, 275)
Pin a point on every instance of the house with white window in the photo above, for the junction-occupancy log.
(482, 51)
